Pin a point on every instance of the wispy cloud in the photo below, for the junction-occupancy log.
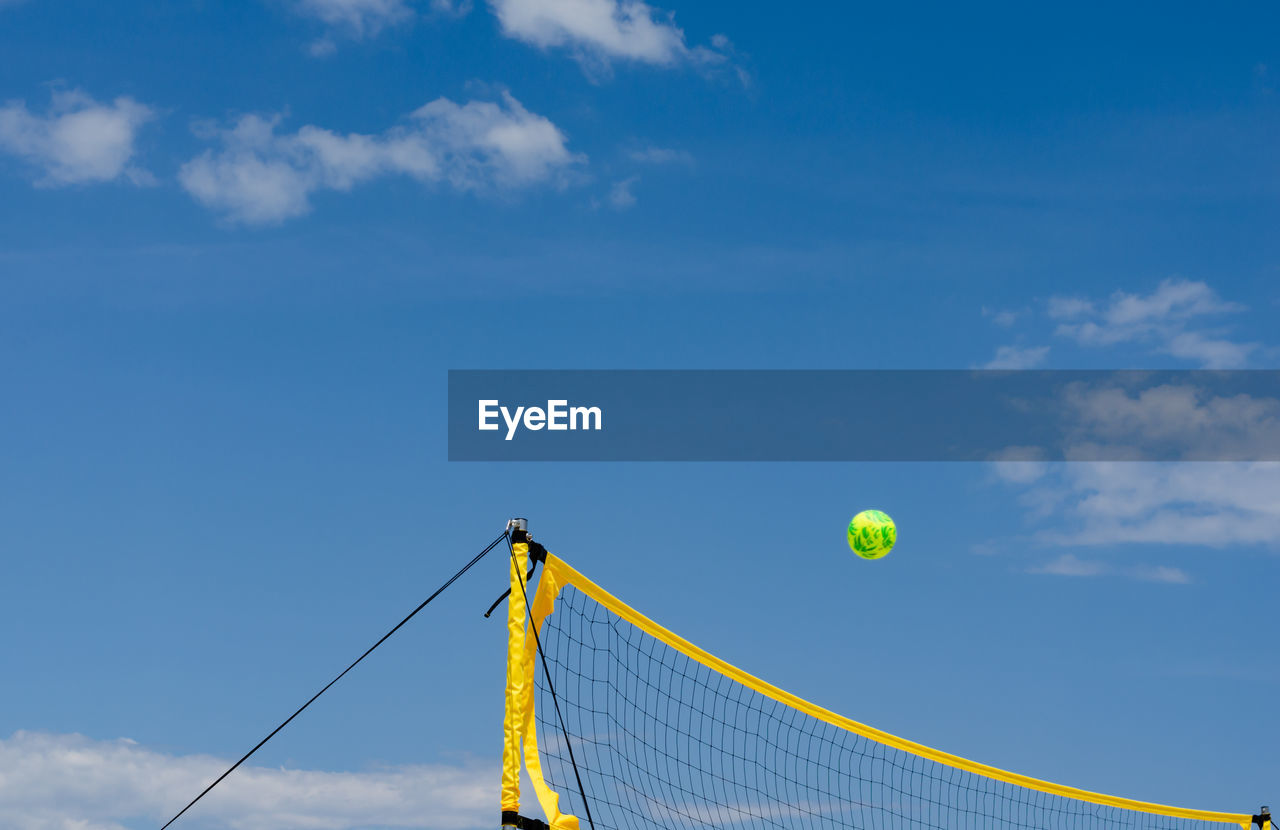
(77, 140)
(1160, 573)
(363, 19)
(66, 782)
(1017, 357)
(1177, 421)
(1012, 356)
(620, 195)
(1020, 464)
(1003, 317)
(1165, 320)
(1070, 565)
(1210, 504)
(1069, 307)
(1105, 504)
(595, 32)
(598, 32)
(651, 154)
(358, 18)
(1194, 502)
(451, 8)
(1180, 318)
(1199, 502)
(260, 176)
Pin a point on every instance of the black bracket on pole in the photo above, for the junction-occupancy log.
(1263, 816)
(510, 818)
(537, 553)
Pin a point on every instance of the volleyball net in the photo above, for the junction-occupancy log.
(623, 725)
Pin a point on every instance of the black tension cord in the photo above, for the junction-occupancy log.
(537, 646)
(412, 614)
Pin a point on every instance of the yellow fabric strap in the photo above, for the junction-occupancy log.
(517, 690)
(556, 575)
(543, 604)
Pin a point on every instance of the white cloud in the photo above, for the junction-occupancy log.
(1169, 421)
(1017, 357)
(260, 176)
(595, 32)
(1196, 501)
(68, 782)
(1022, 465)
(1209, 352)
(451, 8)
(1070, 565)
(1202, 503)
(357, 17)
(1066, 308)
(78, 140)
(660, 155)
(1004, 318)
(620, 195)
(322, 48)
(1160, 573)
(1173, 299)
(1162, 320)
(599, 31)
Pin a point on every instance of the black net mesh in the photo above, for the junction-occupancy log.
(661, 741)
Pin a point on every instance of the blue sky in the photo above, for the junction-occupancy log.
(243, 243)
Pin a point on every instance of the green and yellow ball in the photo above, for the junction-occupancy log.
(872, 534)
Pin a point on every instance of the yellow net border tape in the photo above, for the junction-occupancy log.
(543, 604)
(556, 575)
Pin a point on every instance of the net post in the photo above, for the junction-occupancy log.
(513, 720)
(1263, 818)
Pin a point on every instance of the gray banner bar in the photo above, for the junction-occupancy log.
(863, 415)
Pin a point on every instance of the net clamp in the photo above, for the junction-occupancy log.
(537, 553)
(1263, 816)
(511, 818)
